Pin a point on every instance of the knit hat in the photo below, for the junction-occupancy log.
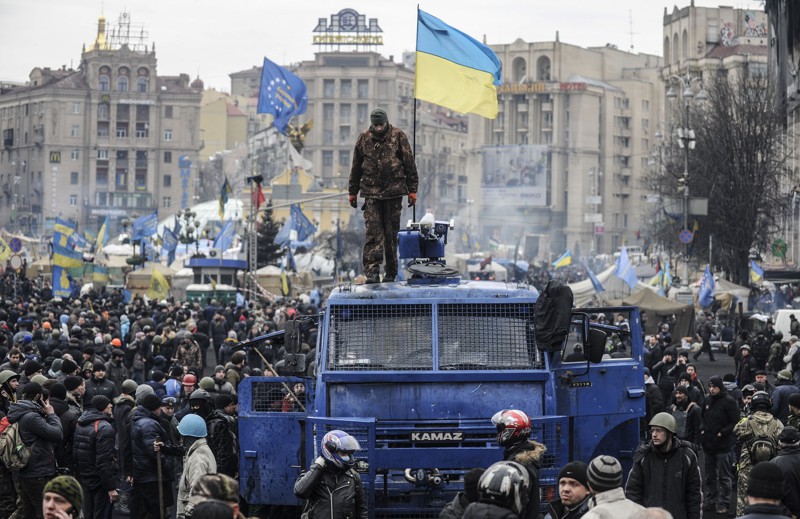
(142, 391)
(682, 389)
(604, 473)
(207, 383)
(72, 382)
(378, 116)
(685, 376)
(222, 401)
(575, 470)
(30, 367)
(785, 374)
(129, 386)
(31, 390)
(68, 367)
(58, 390)
(794, 400)
(68, 488)
(100, 402)
(98, 366)
(238, 357)
(151, 402)
(716, 382)
(55, 367)
(789, 436)
(157, 376)
(765, 481)
(219, 368)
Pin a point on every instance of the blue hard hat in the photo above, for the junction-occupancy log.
(193, 425)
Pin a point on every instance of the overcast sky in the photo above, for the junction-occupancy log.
(213, 38)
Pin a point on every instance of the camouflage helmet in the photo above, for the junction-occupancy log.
(665, 421)
(214, 486)
(68, 488)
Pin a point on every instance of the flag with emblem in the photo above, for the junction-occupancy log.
(159, 286)
(281, 94)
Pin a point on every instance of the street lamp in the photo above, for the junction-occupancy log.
(686, 141)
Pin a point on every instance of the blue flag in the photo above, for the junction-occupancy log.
(281, 94)
(598, 287)
(625, 270)
(705, 296)
(61, 285)
(145, 226)
(77, 240)
(224, 239)
(223, 197)
(305, 229)
(169, 243)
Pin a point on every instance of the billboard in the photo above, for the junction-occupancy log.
(516, 175)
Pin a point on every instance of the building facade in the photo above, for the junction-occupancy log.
(110, 138)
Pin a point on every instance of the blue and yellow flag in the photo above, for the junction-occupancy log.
(102, 237)
(756, 272)
(64, 226)
(5, 250)
(66, 257)
(224, 239)
(454, 69)
(145, 226)
(61, 282)
(564, 260)
(100, 275)
(159, 286)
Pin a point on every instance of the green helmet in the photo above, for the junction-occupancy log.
(7, 375)
(665, 421)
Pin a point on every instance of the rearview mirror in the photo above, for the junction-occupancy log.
(595, 345)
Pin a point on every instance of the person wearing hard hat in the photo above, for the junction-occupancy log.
(665, 454)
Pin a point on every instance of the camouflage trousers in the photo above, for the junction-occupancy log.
(741, 488)
(382, 220)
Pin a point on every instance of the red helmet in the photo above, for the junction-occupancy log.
(513, 426)
(189, 380)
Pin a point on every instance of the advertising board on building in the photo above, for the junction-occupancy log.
(516, 175)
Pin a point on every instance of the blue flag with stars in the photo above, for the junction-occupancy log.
(281, 94)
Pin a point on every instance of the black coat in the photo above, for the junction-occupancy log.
(720, 415)
(100, 387)
(529, 455)
(669, 480)
(488, 511)
(95, 455)
(332, 493)
(788, 460)
(69, 422)
(763, 511)
(144, 431)
(39, 431)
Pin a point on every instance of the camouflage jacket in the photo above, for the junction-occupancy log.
(383, 166)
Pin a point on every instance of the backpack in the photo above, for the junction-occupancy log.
(13, 453)
(762, 447)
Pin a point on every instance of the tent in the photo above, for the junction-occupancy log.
(658, 307)
(615, 288)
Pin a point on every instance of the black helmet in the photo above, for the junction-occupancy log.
(200, 394)
(507, 484)
(761, 399)
(778, 336)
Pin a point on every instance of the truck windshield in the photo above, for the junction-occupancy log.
(400, 337)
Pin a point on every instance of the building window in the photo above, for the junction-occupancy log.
(73, 200)
(167, 180)
(141, 84)
(168, 112)
(344, 158)
(104, 84)
(363, 88)
(102, 154)
(74, 154)
(167, 135)
(344, 113)
(328, 88)
(363, 113)
(73, 178)
(327, 158)
(166, 201)
(122, 132)
(122, 84)
(167, 157)
(102, 176)
(73, 132)
(103, 111)
(327, 112)
(76, 108)
(383, 88)
(347, 87)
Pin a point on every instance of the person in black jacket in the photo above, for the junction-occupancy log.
(513, 430)
(788, 460)
(688, 417)
(99, 384)
(455, 508)
(764, 492)
(665, 472)
(720, 415)
(147, 437)
(574, 496)
(40, 431)
(331, 487)
(69, 422)
(96, 458)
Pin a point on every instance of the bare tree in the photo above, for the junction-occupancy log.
(740, 164)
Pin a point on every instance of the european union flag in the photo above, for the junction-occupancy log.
(705, 296)
(169, 243)
(598, 287)
(224, 239)
(282, 94)
(305, 229)
(145, 226)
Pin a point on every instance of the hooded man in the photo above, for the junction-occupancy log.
(383, 171)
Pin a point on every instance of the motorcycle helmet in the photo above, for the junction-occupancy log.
(761, 401)
(513, 426)
(506, 484)
(338, 448)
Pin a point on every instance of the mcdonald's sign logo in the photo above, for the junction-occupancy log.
(55, 157)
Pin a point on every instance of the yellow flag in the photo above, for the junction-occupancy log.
(5, 251)
(159, 286)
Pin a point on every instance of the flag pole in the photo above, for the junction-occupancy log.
(414, 118)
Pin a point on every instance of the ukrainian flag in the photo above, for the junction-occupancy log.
(102, 236)
(564, 260)
(455, 70)
(66, 257)
(756, 272)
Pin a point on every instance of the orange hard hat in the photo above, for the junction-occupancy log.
(116, 342)
(46, 325)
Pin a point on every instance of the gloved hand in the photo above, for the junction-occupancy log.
(320, 461)
(353, 199)
(412, 199)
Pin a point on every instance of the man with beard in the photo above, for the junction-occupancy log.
(99, 385)
(383, 171)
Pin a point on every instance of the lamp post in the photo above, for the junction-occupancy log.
(686, 141)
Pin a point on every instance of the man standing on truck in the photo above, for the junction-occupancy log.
(383, 171)
(513, 430)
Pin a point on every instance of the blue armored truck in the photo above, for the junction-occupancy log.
(416, 369)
